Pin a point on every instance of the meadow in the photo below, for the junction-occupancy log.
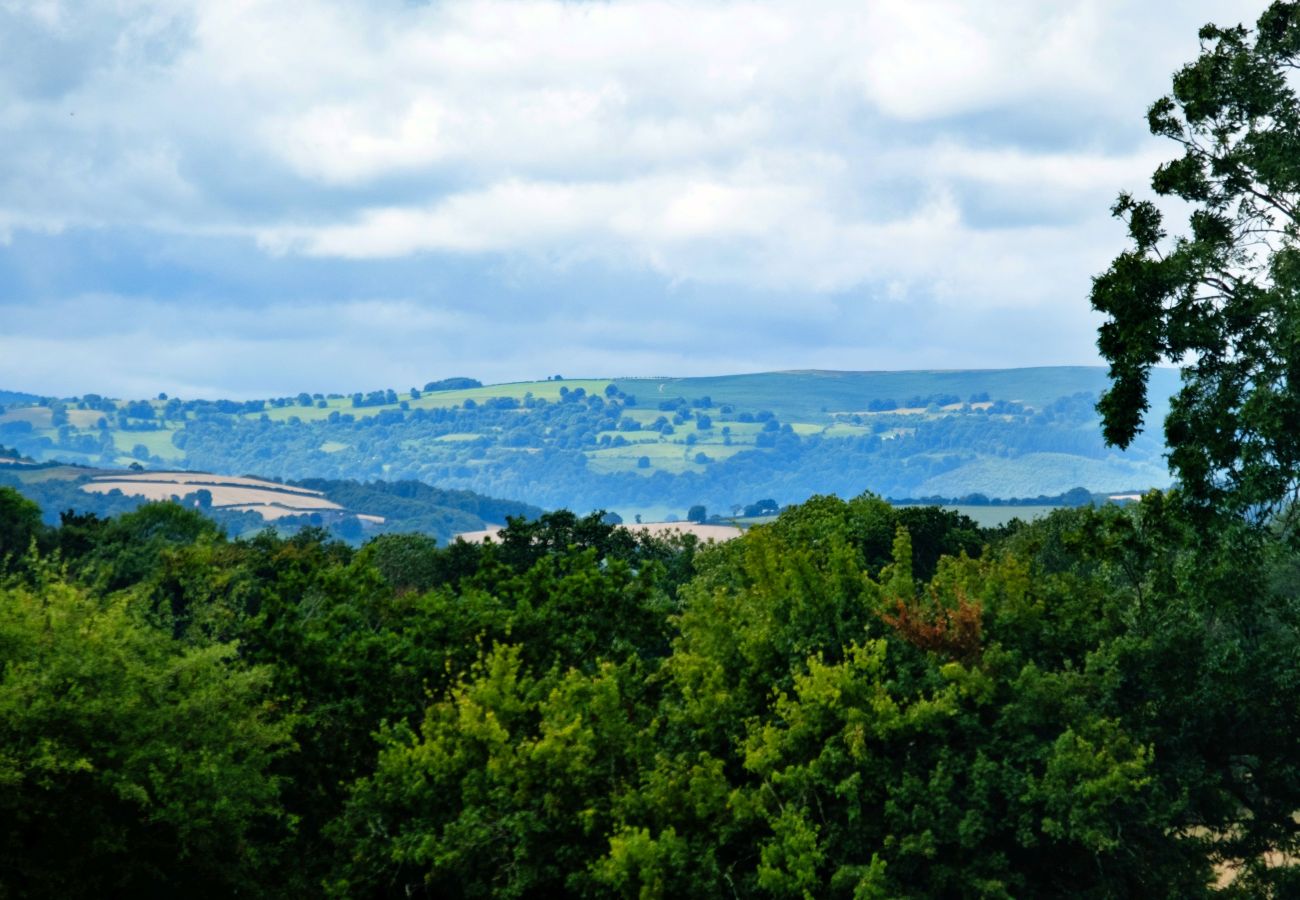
(641, 445)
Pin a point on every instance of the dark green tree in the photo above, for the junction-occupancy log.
(20, 524)
(1223, 298)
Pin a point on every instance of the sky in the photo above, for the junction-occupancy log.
(250, 199)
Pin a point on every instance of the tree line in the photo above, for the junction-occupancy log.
(855, 700)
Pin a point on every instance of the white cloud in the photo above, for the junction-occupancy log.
(833, 156)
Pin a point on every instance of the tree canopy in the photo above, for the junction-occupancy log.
(853, 700)
(1223, 297)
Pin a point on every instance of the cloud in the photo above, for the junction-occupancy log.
(833, 168)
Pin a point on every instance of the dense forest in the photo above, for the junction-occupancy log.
(856, 700)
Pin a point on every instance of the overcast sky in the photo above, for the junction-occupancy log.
(245, 198)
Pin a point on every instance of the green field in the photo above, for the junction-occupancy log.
(810, 396)
(1040, 441)
(1035, 474)
(158, 442)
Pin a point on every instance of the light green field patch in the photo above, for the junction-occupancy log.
(159, 443)
(657, 450)
(632, 437)
(739, 428)
(458, 437)
(719, 451)
(644, 415)
(673, 465)
(845, 430)
(311, 413)
(1043, 474)
(333, 447)
(751, 521)
(542, 390)
(666, 456)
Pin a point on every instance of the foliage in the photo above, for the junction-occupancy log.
(20, 526)
(560, 444)
(1224, 298)
(129, 764)
(854, 700)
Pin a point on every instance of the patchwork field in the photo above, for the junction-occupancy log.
(638, 444)
(269, 499)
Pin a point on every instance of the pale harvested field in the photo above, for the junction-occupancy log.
(206, 479)
(271, 512)
(84, 418)
(39, 416)
(222, 495)
(655, 529)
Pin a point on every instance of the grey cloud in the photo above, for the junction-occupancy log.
(271, 196)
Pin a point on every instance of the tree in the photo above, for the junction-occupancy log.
(134, 764)
(697, 513)
(1223, 298)
(20, 524)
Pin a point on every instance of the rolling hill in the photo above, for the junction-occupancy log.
(648, 445)
(246, 504)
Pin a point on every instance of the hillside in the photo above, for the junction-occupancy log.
(640, 444)
(246, 505)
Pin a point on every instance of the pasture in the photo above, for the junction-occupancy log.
(811, 396)
(479, 450)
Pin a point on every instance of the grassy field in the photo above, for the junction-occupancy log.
(1035, 474)
(158, 442)
(832, 405)
(547, 390)
(811, 396)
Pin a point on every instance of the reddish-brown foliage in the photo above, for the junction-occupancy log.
(950, 630)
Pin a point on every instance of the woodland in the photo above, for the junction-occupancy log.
(855, 700)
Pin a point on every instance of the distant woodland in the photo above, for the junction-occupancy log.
(721, 442)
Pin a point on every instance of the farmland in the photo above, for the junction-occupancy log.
(266, 498)
(245, 505)
(638, 444)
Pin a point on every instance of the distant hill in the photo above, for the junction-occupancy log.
(652, 445)
(811, 395)
(246, 504)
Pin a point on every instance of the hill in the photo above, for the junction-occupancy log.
(652, 445)
(246, 504)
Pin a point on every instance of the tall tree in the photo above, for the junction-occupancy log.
(1223, 298)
